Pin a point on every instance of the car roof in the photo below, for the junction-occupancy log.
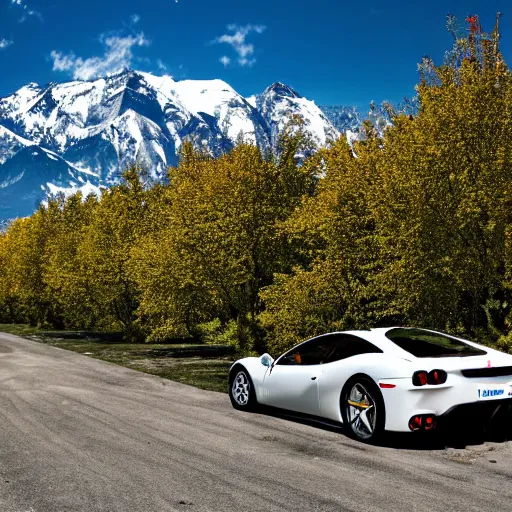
(378, 337)
(375, 336)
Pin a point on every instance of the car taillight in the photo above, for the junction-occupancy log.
(424, 422)
(437, 377)
(434, 377)
(420, 378)
(415, 423)
(430, 423)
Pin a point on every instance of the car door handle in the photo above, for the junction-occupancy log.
(313, 378)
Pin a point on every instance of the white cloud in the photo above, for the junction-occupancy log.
(26, 11)
(4, 43)
(237, 40)
(135, 18)
(225, 61)
(118, 56)
(63, 62)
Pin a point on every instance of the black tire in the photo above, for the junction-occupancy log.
(241, 389)
(370, 399)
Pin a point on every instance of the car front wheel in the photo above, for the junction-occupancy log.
(362, 409)
(241, 389)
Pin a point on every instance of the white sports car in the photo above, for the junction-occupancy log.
(394, 379)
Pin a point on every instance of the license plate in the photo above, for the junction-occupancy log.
(494, 393)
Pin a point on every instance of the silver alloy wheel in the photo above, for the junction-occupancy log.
(241, 388)
(361, 411)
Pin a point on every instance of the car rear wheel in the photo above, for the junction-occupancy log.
(241, 389)
(362, 408)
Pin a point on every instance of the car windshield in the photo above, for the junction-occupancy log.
(422, 343)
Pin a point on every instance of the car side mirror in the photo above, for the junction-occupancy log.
(266, 360)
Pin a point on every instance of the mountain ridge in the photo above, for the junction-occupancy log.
(88, 132)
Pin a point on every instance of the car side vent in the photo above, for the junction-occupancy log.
(498, 371)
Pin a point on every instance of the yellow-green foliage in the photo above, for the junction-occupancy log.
(104, 252)
(333, 235)
(214, 333)
(23, 256)
(217, 242)
(446, 183)
(64, 272)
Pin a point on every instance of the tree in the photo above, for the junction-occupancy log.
(104, 251)
(447, 174)
(332, 237)
(411, 226)
(23, 258)
(219, 243)
(64, 273)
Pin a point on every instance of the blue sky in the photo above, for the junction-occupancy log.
(331, 51)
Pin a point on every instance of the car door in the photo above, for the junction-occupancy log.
(340, 364)
(292, 381)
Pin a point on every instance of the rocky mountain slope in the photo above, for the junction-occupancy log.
(83, 134)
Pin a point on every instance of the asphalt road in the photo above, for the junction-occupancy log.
(77, 434)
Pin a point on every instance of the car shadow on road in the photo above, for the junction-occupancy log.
(443, 439)
(447, 436)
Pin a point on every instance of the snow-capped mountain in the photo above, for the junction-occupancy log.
(83, 134)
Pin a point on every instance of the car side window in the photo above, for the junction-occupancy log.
(311, 352)
(347, 345)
